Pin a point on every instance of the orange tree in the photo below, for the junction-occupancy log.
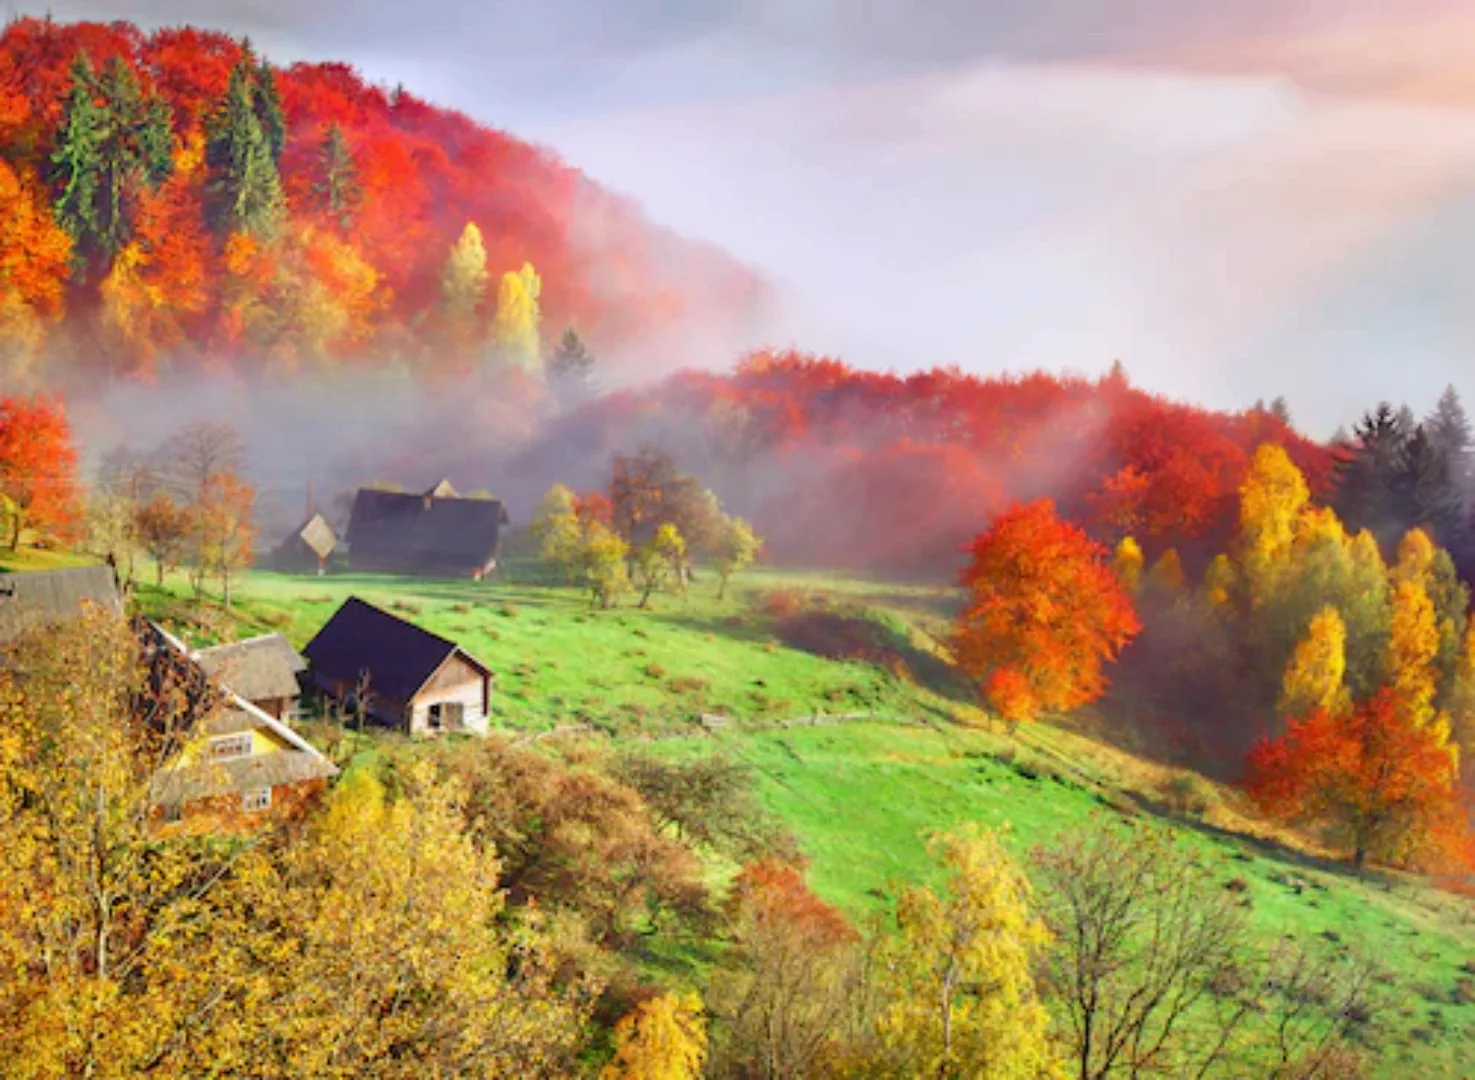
(1381, 784)
(1045, 614)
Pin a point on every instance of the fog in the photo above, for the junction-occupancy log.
(1238, 201)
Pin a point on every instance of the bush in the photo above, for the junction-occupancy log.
(655, 671)
(409, 607)
(508, 611)
(781, 603)
(688, 684)
(1187, 793)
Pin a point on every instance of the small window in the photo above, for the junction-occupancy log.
(256, 801)
(225, 747)
(434, 717)
(173, 813)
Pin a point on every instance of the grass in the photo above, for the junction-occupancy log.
(862, 795)
(558, 662)
(25, 559)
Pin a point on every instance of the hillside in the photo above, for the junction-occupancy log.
(901, 751)
(171, 196)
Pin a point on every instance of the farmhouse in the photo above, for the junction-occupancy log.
(434, 534)
(400, 674)
(264, 670)
(307, 549)
(235, 762)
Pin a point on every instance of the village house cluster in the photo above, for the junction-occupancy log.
(239, 752)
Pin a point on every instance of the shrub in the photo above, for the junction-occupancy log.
(655, 671)
(688, 684)
(407, 606)
(461, 609)
(781, 603)
(1187, 793)
(508, 611)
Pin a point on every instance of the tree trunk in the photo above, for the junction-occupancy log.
(159, 572)
(722, 586)
(225, 588)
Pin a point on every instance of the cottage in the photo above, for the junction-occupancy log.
(308, 548)
(265, 670)
(434, 534)
(234, 759)
(413, 680)
(43, 596)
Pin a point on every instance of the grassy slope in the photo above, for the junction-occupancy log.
(862, 795)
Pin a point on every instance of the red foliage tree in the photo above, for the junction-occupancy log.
(38, 467)
(1385, 787)
(1043, 606)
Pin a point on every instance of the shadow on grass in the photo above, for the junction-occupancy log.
(838, 635)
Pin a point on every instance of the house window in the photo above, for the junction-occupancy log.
(173, 812)
(453, 715)
(434, 717)
(256, 800)
(226, 747)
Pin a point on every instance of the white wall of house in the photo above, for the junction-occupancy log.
(468, 695)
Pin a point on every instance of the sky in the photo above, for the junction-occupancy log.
(1237, 200)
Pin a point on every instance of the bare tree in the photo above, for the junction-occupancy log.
(195, 455)
(1156, 970)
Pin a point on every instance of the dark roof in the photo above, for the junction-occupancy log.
(258, 669)
(317, 535)
(398, 655)
(47, 595)
(425, 530)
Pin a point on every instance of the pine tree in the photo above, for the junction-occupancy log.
(113, 143)
(572, 359)
(339, 193)
(269, 114)
(244, 189)
(1366, 470)
(1281, 411)
(1422, 492)
(77, 158)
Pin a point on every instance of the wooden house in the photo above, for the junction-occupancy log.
(264, 670)
(235, 762)
(433, 534)
(308, 548)
(409, 678)
(38, 597)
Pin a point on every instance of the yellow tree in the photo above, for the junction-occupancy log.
(1127, 562)
(1272, 499)
(958, 977)
(515, 330)
(557, 529)
(1166, 575)
(463, 278)
(1316, 676)
(1462, 701)
(1413, 646)
(1367, 610)
(663, 1039)
(1220, 583)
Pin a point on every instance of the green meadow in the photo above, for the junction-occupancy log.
(863, 742)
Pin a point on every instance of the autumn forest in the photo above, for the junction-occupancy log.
(1046, 575)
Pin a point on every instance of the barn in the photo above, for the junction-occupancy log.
(307, 549)
(434, 534)
(264, 670)
(403, 675)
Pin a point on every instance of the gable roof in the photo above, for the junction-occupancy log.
(399, 656)
(443, 490)
(176, 781)
(425, 530)
(40, 596)
(258, 668)
(317, 534)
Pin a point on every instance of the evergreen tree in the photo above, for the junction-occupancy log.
(269, 114)
(244, 189)
(1366, 474)
(339, 193)
(77, 158)
(1281, 411)
(1423, 493)
(571, 359)
(113, 142)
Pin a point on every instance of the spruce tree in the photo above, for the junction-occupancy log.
(1449, 428)
(112, 143)
(1281, 411)
(269, 112)
(571, 359)
(1422, 491)
(1367, 472)
(243, 189)
(338, 191)
(77, 157)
